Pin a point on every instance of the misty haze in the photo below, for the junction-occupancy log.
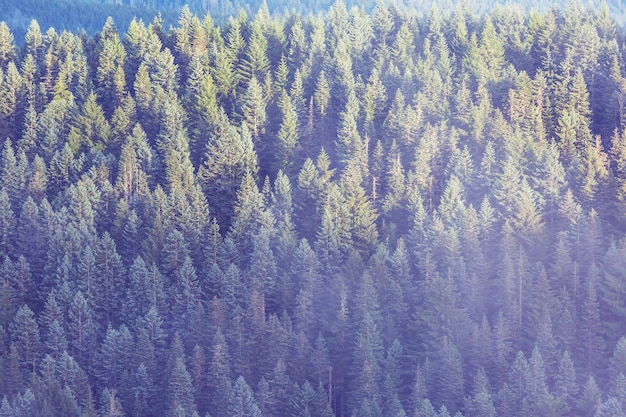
(312, 210)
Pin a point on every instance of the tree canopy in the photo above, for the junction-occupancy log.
(371, 211)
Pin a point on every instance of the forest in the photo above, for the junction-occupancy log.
(89, 15)
(358, 213)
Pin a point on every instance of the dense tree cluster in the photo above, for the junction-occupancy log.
(369, 214)
(88, 15)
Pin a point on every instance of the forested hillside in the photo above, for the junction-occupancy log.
(347, 214)
(89, 15)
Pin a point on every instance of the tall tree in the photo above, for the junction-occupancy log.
(228, 156)
(367, 360)
(81, 330)
(180, 396)
(109, 287)
(26, 340)
(242, 402)
(253, 108)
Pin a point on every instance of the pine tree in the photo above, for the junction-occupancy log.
(74, 379)
(81, 330)
(33, 39)
(186, 295)
(7, 224)
(91, 127)
(255, 63)
(618, 389)
(351, 146)
(242, 402)
(114, 357)
(10, 173)
(547, 344)
(55, 340)
(611, 407)
(263, 270)
(362, 214)
(145, 289)
(515, 392)
(251, 214)
(480, 404)
(180, 396)
(110, 405)
(109, 285)
(24, 332)
(367, 359)
(13, 375)
(52, 311)
(8, 295)
(253, 108)
(281, 203)
(426, 409)
(305, 267)
(81, 208)
(616, 361)
(303, 403)
(38, 181)
(173, 145)
(281, 388)
(5, 408)
(589, 399)
(287, 134)
(218, 375)
(25, 404)
(322, 94)
(152, 334)
(566, 386)
(143, 392)
(132, 178)
(449, 378)
(228, 156)
(20, 280)
(591, 350)
(538, 394)
(11, 96)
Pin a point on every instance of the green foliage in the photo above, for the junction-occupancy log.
(367, 211)
(253, 108)
(229, 154)
(25, 335)
(180, 401)
(242, 402)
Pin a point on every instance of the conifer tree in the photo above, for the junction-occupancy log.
(287, 134)
(592, 346)
(481, 402)
(180, 397)
(218, 375)
(7, 223)
(143, 391)
(368, 357)
(110, 73)
(251, 214)
(242, 402)
(26, 340)
(589, 399)
(173, 144)
(110, 405)
(255, 62)
(186, 295)
(109, 273)
(566, 386)
(253, 108)
(228, 156)
(81, 330)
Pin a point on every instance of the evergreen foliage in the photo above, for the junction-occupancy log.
(369, 212)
